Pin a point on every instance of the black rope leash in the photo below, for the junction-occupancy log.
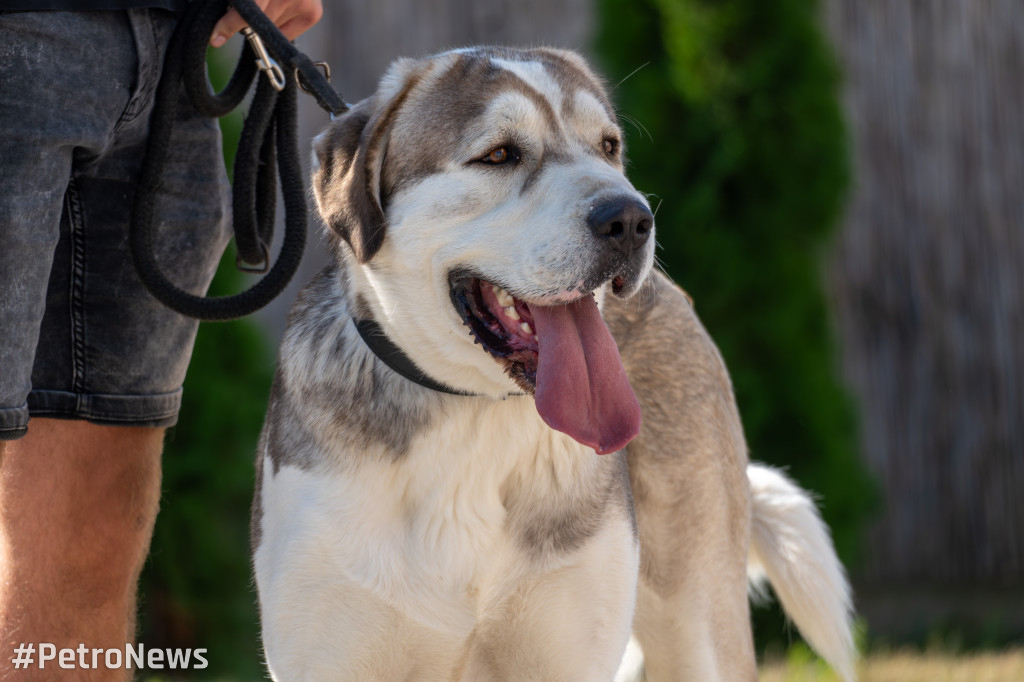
(269, 135)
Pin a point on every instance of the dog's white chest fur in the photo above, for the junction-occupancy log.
(432, 543)
(426, 532)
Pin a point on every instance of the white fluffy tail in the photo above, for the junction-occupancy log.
(791, 545)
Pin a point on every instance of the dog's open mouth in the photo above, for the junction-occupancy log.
(502, 324)
(563, 354)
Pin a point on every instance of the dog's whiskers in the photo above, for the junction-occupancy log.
(641, 128)
(631, 74)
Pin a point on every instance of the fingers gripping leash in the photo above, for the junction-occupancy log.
(269, 134)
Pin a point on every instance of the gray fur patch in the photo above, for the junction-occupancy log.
(256, 510)
(331, 393)
(563, 525)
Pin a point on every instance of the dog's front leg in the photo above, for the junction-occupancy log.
(692, 619)
(567, 624)
(692, 499)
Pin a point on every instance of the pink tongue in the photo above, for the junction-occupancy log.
(582, 389)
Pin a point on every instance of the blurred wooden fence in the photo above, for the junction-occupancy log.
(928, 281)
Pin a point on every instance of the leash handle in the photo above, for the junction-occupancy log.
(268, 136)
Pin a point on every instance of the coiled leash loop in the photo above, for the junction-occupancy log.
(269, 134)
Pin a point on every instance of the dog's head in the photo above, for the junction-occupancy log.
(482, 197)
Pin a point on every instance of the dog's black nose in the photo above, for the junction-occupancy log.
(623, 221)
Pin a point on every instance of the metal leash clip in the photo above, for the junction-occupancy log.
(264, 61)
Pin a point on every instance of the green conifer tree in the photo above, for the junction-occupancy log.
(734, 128)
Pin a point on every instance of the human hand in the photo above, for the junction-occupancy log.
(293, 17)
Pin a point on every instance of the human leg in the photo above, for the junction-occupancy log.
(77, 507)
(82, 340)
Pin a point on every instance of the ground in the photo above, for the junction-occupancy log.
(905, 666)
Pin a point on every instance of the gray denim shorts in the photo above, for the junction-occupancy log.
(80, 336)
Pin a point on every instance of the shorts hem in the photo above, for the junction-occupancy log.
(13, 422)
(154, 409)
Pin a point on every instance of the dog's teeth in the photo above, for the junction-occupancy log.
(504, 298)
(511, 312)
(525, 326)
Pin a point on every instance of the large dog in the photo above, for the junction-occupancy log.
(454, 480)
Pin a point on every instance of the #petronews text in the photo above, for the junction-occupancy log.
(85, 658)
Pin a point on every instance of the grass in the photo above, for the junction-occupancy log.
(904, 666)
(800, 665)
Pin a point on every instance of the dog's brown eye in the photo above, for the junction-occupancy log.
(611, 146)
(497, 156)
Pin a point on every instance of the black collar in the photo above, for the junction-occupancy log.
(392, 356)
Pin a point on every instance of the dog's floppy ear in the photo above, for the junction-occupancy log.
(349, 158)
(346, 182)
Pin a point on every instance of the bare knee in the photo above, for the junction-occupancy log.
(77, 507)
